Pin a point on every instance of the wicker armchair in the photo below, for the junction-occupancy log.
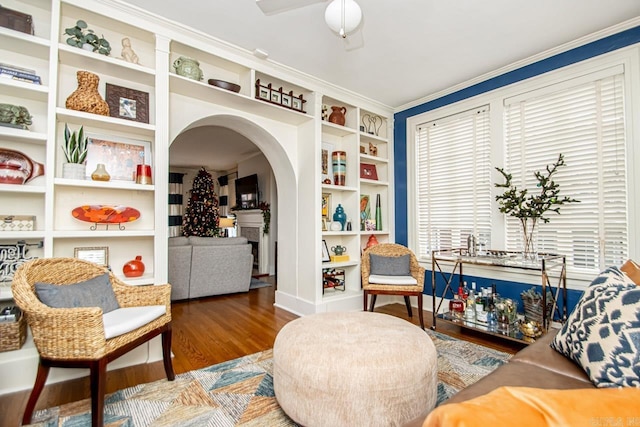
(381, 288)
(75, 337)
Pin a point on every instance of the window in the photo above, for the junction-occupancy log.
(584, 120)
(453, 181)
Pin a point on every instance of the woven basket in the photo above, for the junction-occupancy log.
(13, 334)
(533, 308)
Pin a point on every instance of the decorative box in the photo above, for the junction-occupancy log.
(13, 334)
(16, 20)
(339, 258)
(17, 223)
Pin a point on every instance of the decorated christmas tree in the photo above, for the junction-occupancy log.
(201, 216)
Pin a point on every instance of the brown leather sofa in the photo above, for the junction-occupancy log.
(537, 365)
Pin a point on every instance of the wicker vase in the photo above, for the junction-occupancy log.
(86, 97)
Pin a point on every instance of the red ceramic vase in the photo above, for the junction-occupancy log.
(134, 268)
(372, 241)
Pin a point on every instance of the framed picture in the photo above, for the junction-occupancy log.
(326, 167)
(325, 252)
(296, 104)
(276, 97)
(368, 171)
(129, 104)
(365, 208)
(264, 93)
(98, 255)
(326, 205)
(324, 225)
(119, 155)
(286, 100)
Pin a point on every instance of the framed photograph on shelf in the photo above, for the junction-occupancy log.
(365, 209)
(264, 93)
(129, 104)
(296, 103)
(326, 167)
(325, 252)
(286, 100)
(276, 97)
(119, 155)
(368, 171)
(326, 205)
(98, 255)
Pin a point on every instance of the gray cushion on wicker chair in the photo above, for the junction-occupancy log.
(96, 292)
(76, 337)
(390, 265)
(389, 282)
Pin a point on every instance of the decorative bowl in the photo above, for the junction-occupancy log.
(17, 167)
(531, 329)
(225, 85)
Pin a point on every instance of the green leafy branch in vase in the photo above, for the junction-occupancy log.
(525, 206)
(266, 216)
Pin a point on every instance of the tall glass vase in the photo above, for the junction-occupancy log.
(529, 250)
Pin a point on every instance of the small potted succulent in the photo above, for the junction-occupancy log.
(75, 152)
(87, 39)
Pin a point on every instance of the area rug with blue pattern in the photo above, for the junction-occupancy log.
(240, 392)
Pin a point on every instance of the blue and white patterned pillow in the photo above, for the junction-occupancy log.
(602, 333)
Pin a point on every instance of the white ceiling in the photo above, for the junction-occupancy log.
(404, 50)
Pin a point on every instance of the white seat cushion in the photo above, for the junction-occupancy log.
(123, 320)
(392, 280)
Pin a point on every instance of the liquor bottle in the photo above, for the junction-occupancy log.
(481, 314)
(465, 291)
(470, 310)
(456, 307)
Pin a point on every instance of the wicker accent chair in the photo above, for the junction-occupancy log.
(396, 285)
(75, 337)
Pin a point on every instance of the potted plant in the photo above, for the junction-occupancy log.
(87, 40)
(75, 151)
(529, 208)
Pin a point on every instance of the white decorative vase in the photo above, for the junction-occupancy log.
(74, 171)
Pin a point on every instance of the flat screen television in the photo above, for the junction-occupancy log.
(247, 192)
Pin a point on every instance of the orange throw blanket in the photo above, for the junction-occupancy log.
(534, 407)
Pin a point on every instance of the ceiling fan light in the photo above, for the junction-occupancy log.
(334, 15)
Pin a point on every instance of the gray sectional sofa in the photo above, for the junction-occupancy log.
(204, 266)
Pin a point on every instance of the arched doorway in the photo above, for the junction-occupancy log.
(284, 177)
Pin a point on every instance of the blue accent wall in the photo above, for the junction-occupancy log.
(578, 54)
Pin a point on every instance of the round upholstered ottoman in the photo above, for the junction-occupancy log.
(354, 369)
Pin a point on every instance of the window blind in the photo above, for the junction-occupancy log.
(453, 181)
(585, 122)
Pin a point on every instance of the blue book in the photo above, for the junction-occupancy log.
(4, 72)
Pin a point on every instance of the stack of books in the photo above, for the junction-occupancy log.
(18, 73)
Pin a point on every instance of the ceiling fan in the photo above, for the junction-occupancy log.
(342, 16)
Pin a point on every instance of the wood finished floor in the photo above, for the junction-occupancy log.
(209, 331)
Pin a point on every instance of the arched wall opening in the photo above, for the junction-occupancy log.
(272, 144)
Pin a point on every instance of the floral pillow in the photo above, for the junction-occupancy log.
(602, 333)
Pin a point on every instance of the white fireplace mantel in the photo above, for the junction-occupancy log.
(253, 219)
